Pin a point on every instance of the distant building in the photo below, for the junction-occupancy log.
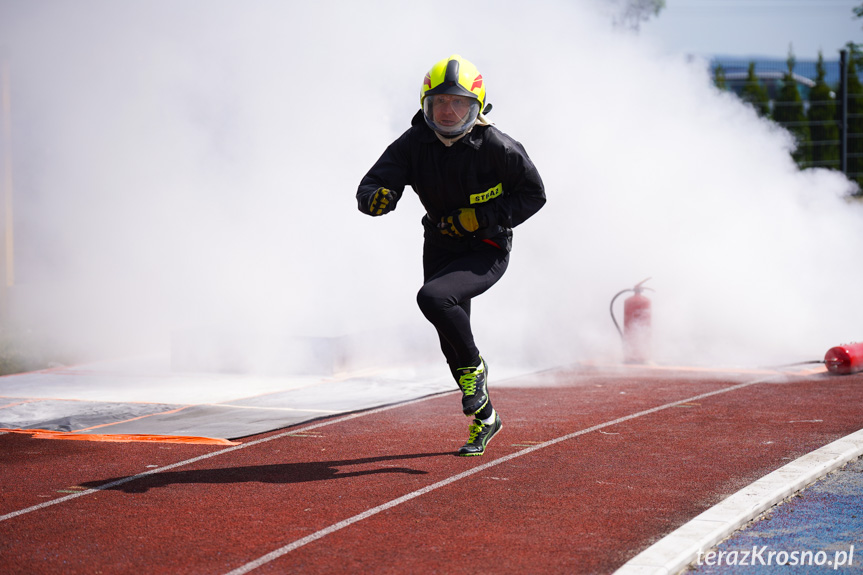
(770, 72)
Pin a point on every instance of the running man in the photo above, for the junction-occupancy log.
(476, 184)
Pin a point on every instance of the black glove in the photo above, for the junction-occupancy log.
(383, 201)
(460, 223)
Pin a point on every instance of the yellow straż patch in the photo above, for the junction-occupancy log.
(487, 195)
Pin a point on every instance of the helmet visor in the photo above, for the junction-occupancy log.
(450, 114)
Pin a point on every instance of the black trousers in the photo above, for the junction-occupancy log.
(451, 280)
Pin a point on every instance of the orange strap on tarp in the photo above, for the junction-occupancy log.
(48, 434)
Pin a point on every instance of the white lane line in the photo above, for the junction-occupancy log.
(677, 550)
(271, 556)
(213, 454)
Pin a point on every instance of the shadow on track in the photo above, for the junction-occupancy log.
(276, 473)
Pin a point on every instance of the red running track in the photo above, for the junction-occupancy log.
(590, 468)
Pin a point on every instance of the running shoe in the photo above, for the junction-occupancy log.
(472, 381)
(480, 434)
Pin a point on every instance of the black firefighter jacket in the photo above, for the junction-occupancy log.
(486, 170)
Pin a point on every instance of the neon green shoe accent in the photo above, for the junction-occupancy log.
(474, 430)
(473, 382)
(467, 382)
(479, 434)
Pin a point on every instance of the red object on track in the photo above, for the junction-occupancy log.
(636, 324)
(844, 359)
(636, 327)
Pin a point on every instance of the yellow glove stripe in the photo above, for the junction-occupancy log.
(467, 219)
(459, 223)
(380, 201)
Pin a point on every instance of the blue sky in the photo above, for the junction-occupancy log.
(756, 27)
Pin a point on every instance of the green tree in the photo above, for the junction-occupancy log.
(855, 118)
(719, 77)
(823, 127)
(755, 93)
(855, 49)
(788, 112)
(631, 13)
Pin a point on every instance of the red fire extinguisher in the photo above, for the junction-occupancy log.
(844, 359)
(636, 324)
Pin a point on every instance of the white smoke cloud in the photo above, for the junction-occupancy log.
(188, 164)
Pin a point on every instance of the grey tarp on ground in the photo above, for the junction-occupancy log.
(69, 415)
(143, 396)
